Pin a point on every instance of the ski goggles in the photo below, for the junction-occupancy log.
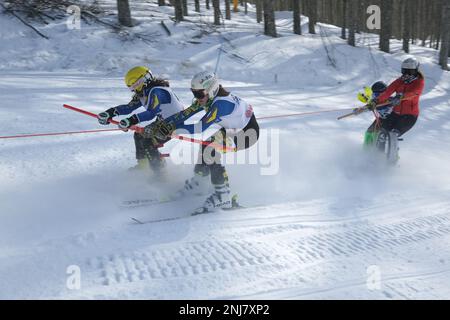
(408, 78)
(199, 94)
(409, 72)
(137, 86)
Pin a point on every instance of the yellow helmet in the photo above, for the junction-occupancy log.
(137, 77)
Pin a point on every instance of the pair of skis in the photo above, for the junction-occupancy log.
(131, 204)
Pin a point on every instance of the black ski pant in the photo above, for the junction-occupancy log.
(209, 158)
(148, 148)
(394, 121)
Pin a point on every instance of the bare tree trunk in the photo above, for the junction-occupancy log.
(407, 22)
(269, 19)
(344, 19)
(312, 6)
(207, 4)
(178, 5)
(259, 14)
(123, 9)
(246, 7)
(361, 18)
(352, 12)
(386, 25)
(438, 24)
(296, 12)
(185, 8)
(216, 5)
(197, 5)
(445, 37)
(227, 10)
(414, 9)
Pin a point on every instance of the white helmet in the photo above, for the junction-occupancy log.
(410, 70)
(410, 64)
(207, 81)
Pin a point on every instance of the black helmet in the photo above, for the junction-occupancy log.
(379, 87)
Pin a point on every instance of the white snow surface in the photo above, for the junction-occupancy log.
(321, 228)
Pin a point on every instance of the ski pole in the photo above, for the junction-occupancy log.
(300, 114)
(55, 133)
(206, 143)
(135, 128)
(365, 107)
(140, 130)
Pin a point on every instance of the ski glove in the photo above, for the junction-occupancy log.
(372, 105)
(159, 129)
(105, 116)
(357, 111)
(149, 131)
(128, 122)
(165, 130)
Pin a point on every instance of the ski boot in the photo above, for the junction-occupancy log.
(194, 186)
(220, 199)
(142, 165)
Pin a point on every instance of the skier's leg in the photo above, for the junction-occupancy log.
(390, 122)
(197, 183)
(202, 169)
(405, 123)
(221, 198)
(210, 158)
(153, 155)
(142, 160)
(248, 136)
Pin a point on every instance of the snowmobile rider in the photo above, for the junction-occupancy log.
(408, 89)
(159, 101)
(238, 124)
(377, 88)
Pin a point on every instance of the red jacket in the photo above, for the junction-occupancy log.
(411, 93)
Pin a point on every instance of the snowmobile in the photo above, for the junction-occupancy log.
(384, 142)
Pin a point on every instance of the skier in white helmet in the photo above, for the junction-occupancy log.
(236, 120)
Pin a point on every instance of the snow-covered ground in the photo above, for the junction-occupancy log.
(327, 225)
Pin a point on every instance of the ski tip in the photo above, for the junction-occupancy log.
(136, 220)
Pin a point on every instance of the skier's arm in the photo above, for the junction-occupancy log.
(415, 90)
(214, 114)
(389, 91)
(180, 117)
(156, 99)
(128, 108)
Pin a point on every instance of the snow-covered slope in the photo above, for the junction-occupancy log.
(320, 228)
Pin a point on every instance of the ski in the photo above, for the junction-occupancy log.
(199, 211)
(145, 202)
(203, 210)
(138, 221)
(192, 214)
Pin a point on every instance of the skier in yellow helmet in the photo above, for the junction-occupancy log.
(159, 101)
